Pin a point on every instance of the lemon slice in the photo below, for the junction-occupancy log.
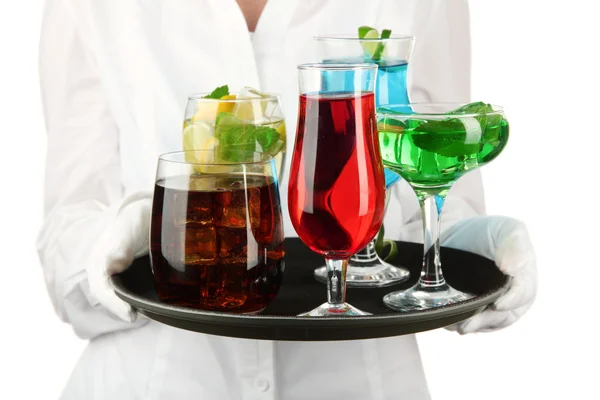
(281, 129)
(199, 136)
(282, 139)
(226, 106)
(207, 110)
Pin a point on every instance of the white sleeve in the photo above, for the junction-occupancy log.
(439, 71)
(83, 181)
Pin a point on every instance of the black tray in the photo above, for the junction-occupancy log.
(300, 293)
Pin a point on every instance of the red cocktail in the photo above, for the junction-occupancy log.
(337, 185)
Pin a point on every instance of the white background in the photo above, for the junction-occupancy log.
(536, 58)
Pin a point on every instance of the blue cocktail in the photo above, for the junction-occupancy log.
(391, 55)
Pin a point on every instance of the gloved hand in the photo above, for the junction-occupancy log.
(506, 241)
(126, 237)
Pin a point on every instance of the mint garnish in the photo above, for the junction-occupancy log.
(218, 92)
(381, 243)
(447, 137)
(236, 137)
(444, 137)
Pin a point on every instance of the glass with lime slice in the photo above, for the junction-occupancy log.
(234, 124)
(391, 53)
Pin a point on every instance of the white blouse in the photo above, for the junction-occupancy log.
(115, 78)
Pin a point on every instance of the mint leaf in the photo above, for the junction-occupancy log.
(218, 93)
(235, 142)
(481, 108)
(446, 138)
(381, 243)
(385, 34)
(477, 107)
(267, 137)
(236, 137)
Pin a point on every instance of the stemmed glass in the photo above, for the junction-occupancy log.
(336, 191)
(244, 121)
(431, 146)
(366, 269)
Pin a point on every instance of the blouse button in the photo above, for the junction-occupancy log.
(262, 384)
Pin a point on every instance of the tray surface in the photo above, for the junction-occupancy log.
(300, 292)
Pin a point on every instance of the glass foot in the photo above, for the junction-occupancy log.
(375, 276)
(421, 297)
(366, 269)
(334, 310)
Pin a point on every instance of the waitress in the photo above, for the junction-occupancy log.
(115, 77)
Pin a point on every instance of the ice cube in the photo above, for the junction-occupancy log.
(248, 92)
(230, 209)
(203, 183)
(200, 244)
(200, 209)
(257, 109)
(232, 244)
(254, 206)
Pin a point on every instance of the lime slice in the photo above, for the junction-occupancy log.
(369, 47)
(363, 30)
(385, 34)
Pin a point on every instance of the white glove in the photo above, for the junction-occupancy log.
(506, 241)
(125, 238)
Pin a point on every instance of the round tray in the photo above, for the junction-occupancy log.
(300, 293)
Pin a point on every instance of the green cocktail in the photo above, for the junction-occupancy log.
(431, 146)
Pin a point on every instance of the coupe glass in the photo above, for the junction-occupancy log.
(336, 192)
(216, 236)
(366, 269)
(246, 121)
(431, 146)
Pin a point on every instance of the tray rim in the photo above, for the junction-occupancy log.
(174, 312)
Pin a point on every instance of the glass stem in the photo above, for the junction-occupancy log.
(369, 254)
(336, 281)
(431, 211)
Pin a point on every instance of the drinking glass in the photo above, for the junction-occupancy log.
(336, 193)
(366, 269)
(246, 121)
(216, 236)
(431, 147)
